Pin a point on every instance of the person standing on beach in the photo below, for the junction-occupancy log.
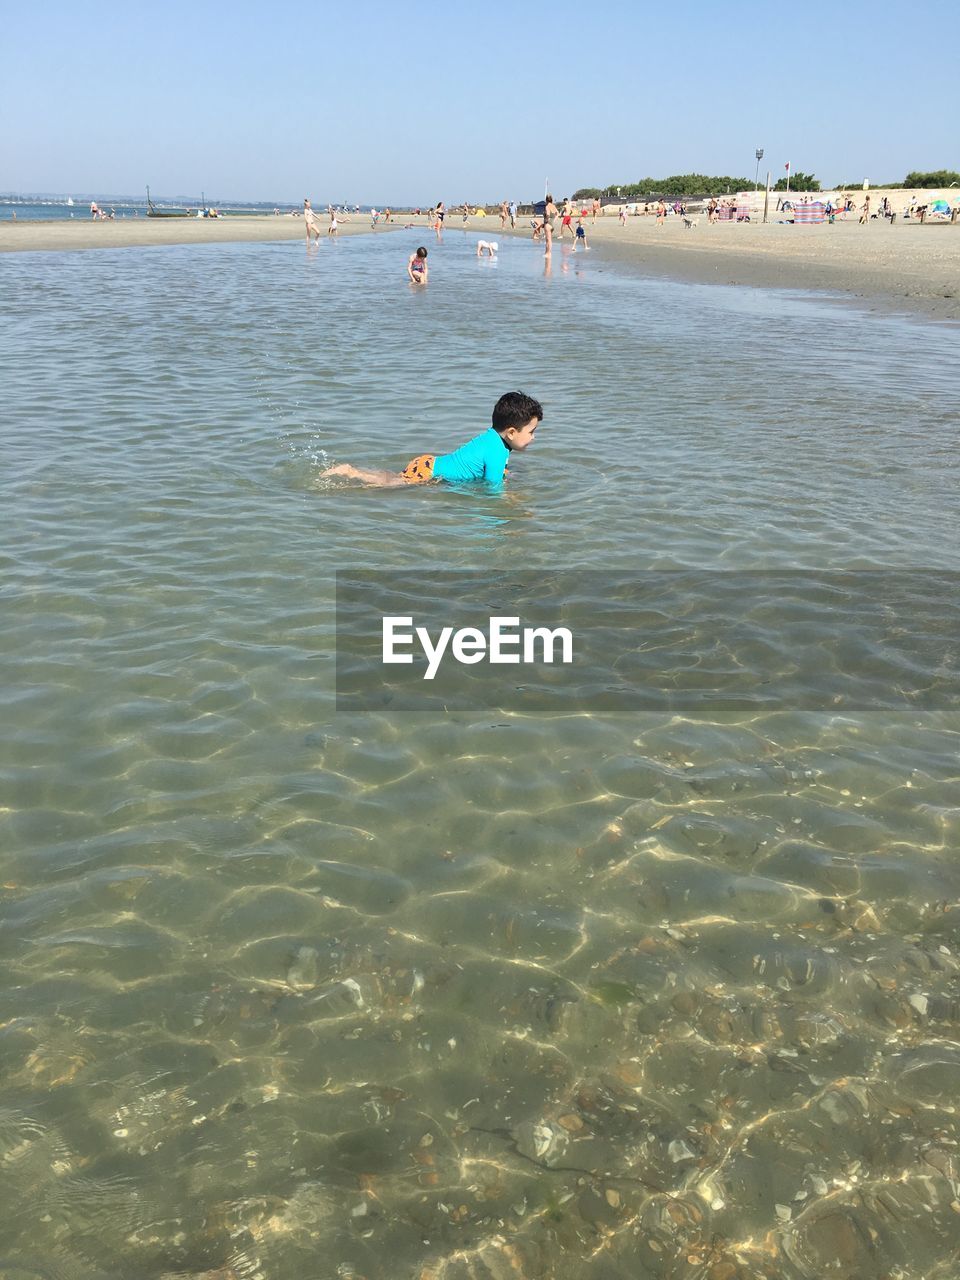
(550, 212)
(661, 213)
(513, 213)
(865, 212)
(503, 214)
(595, 208)
(334, 225)
(566, 220)
(310, 220)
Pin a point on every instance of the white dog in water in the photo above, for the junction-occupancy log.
(490, 246)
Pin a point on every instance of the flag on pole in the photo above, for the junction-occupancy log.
(787, 166)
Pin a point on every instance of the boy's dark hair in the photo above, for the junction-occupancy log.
(514, 409)
(421, 252)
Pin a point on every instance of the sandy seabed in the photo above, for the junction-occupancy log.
(903, 267)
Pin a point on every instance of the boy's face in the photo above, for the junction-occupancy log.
(521, 437)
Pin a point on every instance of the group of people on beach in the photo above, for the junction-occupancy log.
(313, 222)
(545, 227)
(551, 222)
(438, 216)
(314, 229)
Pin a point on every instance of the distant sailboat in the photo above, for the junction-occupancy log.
(154, 212)
(70, 200)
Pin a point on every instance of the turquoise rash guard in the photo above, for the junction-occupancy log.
(482, 458)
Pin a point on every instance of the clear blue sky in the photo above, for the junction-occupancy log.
(413, 103)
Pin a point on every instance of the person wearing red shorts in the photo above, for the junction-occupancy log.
(566, 221)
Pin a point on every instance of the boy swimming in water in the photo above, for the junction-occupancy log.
(515, 419)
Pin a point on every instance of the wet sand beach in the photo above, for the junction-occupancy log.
(900, 267)
(905, 267)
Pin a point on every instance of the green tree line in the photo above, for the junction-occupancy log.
(679, 184)
(915, 181)
(799, 181)
(701, 184)
(937, 178)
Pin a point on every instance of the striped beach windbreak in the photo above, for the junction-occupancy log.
(811, 214)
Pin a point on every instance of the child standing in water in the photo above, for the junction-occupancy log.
(516, 417)
(417, 268)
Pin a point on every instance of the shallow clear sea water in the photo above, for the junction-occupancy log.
(292, 993)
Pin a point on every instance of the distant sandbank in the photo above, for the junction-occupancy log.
(905, 266)
(62, 234)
